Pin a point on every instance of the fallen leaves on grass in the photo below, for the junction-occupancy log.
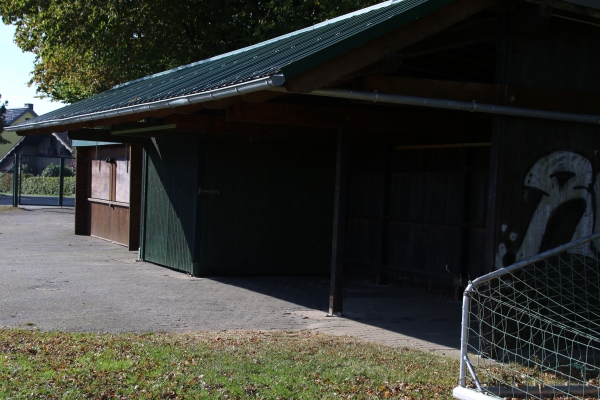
(227, 365)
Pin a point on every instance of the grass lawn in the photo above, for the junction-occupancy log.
(220, 365)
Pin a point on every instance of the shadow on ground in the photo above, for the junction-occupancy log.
(419, 315)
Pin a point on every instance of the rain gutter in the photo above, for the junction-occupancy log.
(239, 89)
(472, 106)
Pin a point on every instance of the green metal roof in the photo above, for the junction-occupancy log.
(283, 57)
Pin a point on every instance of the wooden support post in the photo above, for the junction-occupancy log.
(339, 224)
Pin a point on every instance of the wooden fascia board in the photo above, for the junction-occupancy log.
(514, 96)
(370, 52)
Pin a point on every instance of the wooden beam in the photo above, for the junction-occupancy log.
(515, 96)
(339, 225)
(192, 108)
(392, 42)
(103, 135)
(143, 129)
(220, 125)
(392, 119)
(390, 63)
(455, 37)
(262, 96)
(223, 103)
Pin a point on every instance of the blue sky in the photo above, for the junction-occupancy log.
(15, 67)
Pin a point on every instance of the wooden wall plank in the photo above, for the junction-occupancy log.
(110, 222)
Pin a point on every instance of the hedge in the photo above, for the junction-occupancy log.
(47, 186)
(6, 183)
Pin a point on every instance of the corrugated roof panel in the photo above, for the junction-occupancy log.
(291, 54)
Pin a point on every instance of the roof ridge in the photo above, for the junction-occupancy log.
(266, 42)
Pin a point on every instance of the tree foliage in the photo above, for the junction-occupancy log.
(83, 47)
(2, 120)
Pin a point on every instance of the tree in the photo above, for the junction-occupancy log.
(84, 47)
(2, 120)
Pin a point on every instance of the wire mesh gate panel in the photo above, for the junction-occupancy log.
(6, 187)
(532, 330)
(46, 181)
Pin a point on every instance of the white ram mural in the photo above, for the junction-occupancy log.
(567, 205)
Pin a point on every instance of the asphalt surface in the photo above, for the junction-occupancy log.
(51, 279)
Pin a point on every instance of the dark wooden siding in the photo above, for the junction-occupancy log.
(416, 213)
(275, 208)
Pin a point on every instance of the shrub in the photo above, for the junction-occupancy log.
(6, 183)
(53, 170)
(47, 186)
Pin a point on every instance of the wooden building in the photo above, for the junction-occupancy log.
(443, 139)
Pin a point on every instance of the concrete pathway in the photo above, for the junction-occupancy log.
(54, 280)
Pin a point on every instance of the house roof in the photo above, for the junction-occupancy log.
(267, 63)
(63, 138)
(34, 140)
(13, 114)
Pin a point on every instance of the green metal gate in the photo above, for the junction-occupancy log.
(44, 181)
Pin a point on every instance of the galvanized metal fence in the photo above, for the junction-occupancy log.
(532, 330)
(44, 181)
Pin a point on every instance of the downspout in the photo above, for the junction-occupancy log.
(473, 106)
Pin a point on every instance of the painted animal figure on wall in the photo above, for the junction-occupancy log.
(567, 210)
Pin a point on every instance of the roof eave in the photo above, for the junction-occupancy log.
(239, 89)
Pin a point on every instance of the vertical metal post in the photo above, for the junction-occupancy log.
(61, 181)
(339, 224)
(464, 339)
(16, 182)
